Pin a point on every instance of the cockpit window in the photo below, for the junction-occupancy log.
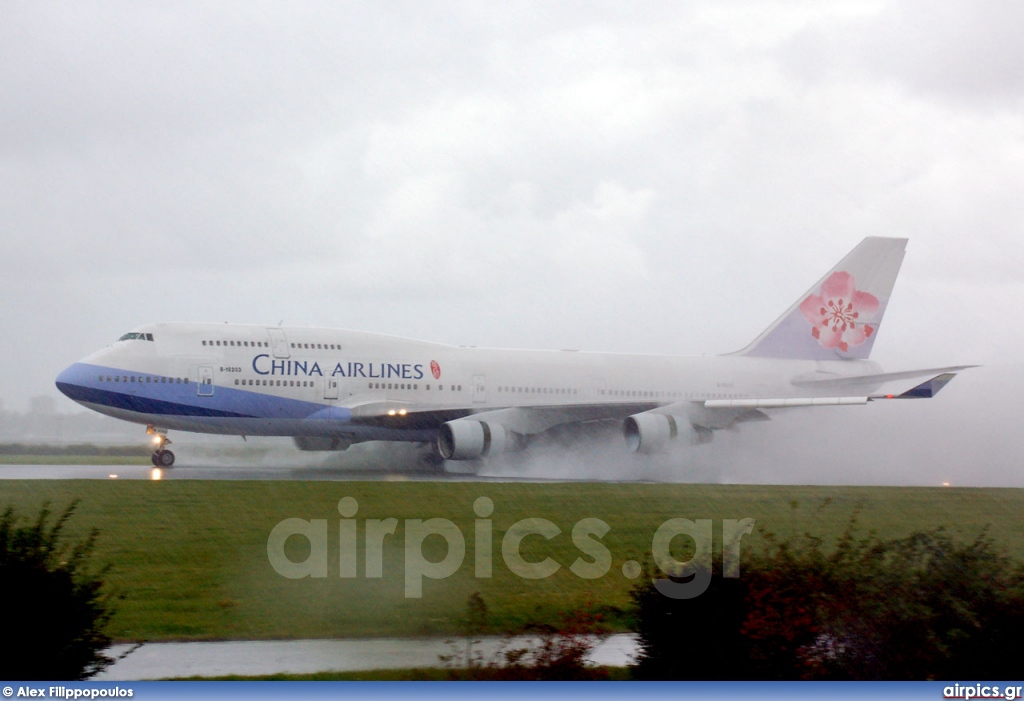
(135, 336)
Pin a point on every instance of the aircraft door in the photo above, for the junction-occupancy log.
(279, 342)
(479, 389)
(330, 388)
(205, 381)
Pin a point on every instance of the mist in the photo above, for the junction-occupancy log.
(966, 436)
(655, 179)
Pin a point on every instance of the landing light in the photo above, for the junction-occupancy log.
(391, 412)
(945, 484)
(113, 477)
(157, 440)
(156, 474)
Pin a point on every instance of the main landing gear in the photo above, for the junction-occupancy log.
(161, 456)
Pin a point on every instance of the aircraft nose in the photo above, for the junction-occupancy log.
(69, 381)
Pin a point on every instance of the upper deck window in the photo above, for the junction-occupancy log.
(135, 336)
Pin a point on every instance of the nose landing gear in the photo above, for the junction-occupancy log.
(161, 456)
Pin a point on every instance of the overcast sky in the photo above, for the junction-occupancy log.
(658, 177)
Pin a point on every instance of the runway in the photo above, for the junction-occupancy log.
(228, 472)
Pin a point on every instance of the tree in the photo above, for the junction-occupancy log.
(54, 607)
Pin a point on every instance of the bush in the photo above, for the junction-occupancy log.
(538, 653)
(690, 638)
(922, 607)
(54, 612)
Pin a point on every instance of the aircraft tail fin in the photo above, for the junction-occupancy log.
(839, 317)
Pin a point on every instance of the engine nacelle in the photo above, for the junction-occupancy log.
(651, 433)
(466, 439)
(317, 443)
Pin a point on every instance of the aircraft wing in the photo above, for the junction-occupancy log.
(713, 414)
(726, 413)
(881, 384)
(895, 382)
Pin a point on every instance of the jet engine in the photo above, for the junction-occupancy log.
(651, 433)
(467, 439)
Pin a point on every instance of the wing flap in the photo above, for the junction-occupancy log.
(782, 402)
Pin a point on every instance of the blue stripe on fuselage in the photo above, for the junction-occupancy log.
(81, 382)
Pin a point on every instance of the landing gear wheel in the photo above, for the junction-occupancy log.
(163, 458)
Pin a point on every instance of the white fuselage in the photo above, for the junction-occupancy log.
(258, 380)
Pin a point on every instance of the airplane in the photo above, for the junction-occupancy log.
(328, 389)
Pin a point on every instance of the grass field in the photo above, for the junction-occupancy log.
(190, 557)
(79, 454)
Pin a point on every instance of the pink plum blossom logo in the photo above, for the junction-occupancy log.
(435, 369)
(839, 313)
